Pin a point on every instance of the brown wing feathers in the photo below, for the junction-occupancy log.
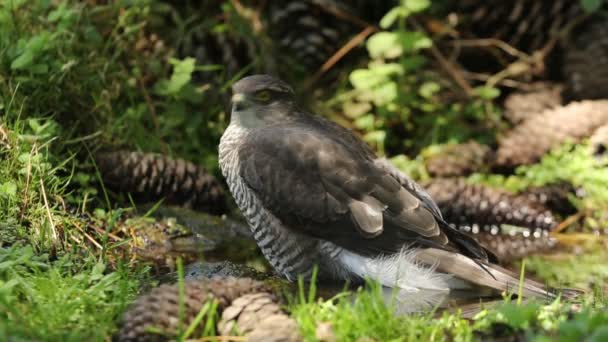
(322, 185)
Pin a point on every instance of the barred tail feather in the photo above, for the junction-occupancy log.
(494, 276)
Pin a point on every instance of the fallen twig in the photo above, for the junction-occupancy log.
(253, 16)
(575, 239)
(490, 42)
(506, 82)
(338, 13)
(28, 177)
(89, 237)
(566, 223)
(48, 211)
(336, 57)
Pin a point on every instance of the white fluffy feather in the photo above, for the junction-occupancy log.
(414, 286)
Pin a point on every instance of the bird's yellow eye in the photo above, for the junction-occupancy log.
(263, 95)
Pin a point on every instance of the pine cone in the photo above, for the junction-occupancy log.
(474, 208)
(530, 26)
(525, 24)
(151, 177)
(311, 31)
(370, 11)
(196, 38)
(599, 142)
(511, 247)
(528, 142)
(259, 317)
(554, 196)
(585, 64)
(232, 52)
(459, 159)
(307, 30)
(522, 105)
(160, 307)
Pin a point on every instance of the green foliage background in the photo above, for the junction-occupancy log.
(77, 76)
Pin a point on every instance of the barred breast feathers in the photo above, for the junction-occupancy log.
(289, 253)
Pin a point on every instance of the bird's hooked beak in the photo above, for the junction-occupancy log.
(238, 101)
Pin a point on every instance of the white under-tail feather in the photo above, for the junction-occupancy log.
(414, 286)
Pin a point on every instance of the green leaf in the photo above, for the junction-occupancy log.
(412, 63)
(389, 18)
(384, 45)
(38, 43)
(35, 125)
(364, 78)
(591, 5)
(97, 271)
(99, 213)
(6, 20)
(414, 41)
(375, 137)
(518, 316)
(416, 5)
(8, 190)
(31, 50)
(376, 76)
(428, 89)
(182, 74)
(57, 13)
(354, 109)
(599, 335)
(23, 61)
(365, 122)
(40, 68)
(386, 69)
(385, 93)
(487, 93)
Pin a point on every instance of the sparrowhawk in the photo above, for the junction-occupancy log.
(314, 194)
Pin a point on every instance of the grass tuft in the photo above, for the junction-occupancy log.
(68, 299)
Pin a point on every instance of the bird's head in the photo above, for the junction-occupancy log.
(260, 100)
